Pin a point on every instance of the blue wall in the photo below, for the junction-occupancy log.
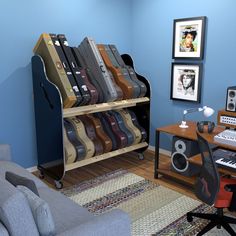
(22, 22)
(142, 28)
(152, 31)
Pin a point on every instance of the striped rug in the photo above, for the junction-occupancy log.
(154, 209)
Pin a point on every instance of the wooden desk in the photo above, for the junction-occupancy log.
(189, 133)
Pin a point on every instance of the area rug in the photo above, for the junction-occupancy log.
(154, 209)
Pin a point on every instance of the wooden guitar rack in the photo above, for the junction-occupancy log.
(49, 114)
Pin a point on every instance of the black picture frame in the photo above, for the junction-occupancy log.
(186, 82)
(189, 38)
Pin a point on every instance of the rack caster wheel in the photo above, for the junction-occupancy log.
(140, 156)
(189, 218)
(41, 175)
(58, 184)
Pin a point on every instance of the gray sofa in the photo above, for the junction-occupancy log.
(70, 219)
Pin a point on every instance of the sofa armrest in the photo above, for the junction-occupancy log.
(5, 152)
(113, 223)
(3, 230)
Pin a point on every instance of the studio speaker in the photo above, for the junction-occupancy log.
(231, 99)
(182, 150)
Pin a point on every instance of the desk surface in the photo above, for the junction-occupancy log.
(190, 133)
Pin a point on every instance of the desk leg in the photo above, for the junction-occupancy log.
(157, 145)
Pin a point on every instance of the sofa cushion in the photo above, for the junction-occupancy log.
(41, 212)
(15, 180)
(66, 213)
(3, 230)
(15, 168)
(15, 212)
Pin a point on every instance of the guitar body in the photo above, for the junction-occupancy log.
(72, 137)
(106, 141)
(82, 136)
(90, 130)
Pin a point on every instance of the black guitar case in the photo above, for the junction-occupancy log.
(74, 68)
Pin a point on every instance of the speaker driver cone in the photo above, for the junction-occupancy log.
(179, 162)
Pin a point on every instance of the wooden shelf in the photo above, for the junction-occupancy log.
(105, 156)
(75, 111)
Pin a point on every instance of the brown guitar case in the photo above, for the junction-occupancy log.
(117, 74)
(106, 141)
(90, 130)
(54, 69)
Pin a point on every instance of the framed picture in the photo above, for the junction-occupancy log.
(188, 38)
(186, 82)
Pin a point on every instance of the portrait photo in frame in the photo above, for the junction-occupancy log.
(188, 38)
(186, 82)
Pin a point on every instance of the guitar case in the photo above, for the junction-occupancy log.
(130, 70)
(66, 67)
(71, 135)
(70, 151)
(80, 61)
(136, 123)
(55, 71)
(74, 68)
(82, 136)
(134, 84)
(92, 135)
(95, 63)
(107, 129)
(129, 124)
(106, 141)
(123, 128)
(125, 85)
(121, 138)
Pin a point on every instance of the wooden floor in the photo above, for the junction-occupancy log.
(130, 162)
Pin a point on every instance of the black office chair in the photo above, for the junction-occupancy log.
(214, 190)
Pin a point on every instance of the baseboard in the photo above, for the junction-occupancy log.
(32, 169)
(161, 150)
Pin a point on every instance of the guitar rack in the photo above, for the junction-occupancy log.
(49, 115)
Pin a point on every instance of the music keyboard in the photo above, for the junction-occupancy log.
(225, 158)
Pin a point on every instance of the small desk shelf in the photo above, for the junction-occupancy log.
(189, 133)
